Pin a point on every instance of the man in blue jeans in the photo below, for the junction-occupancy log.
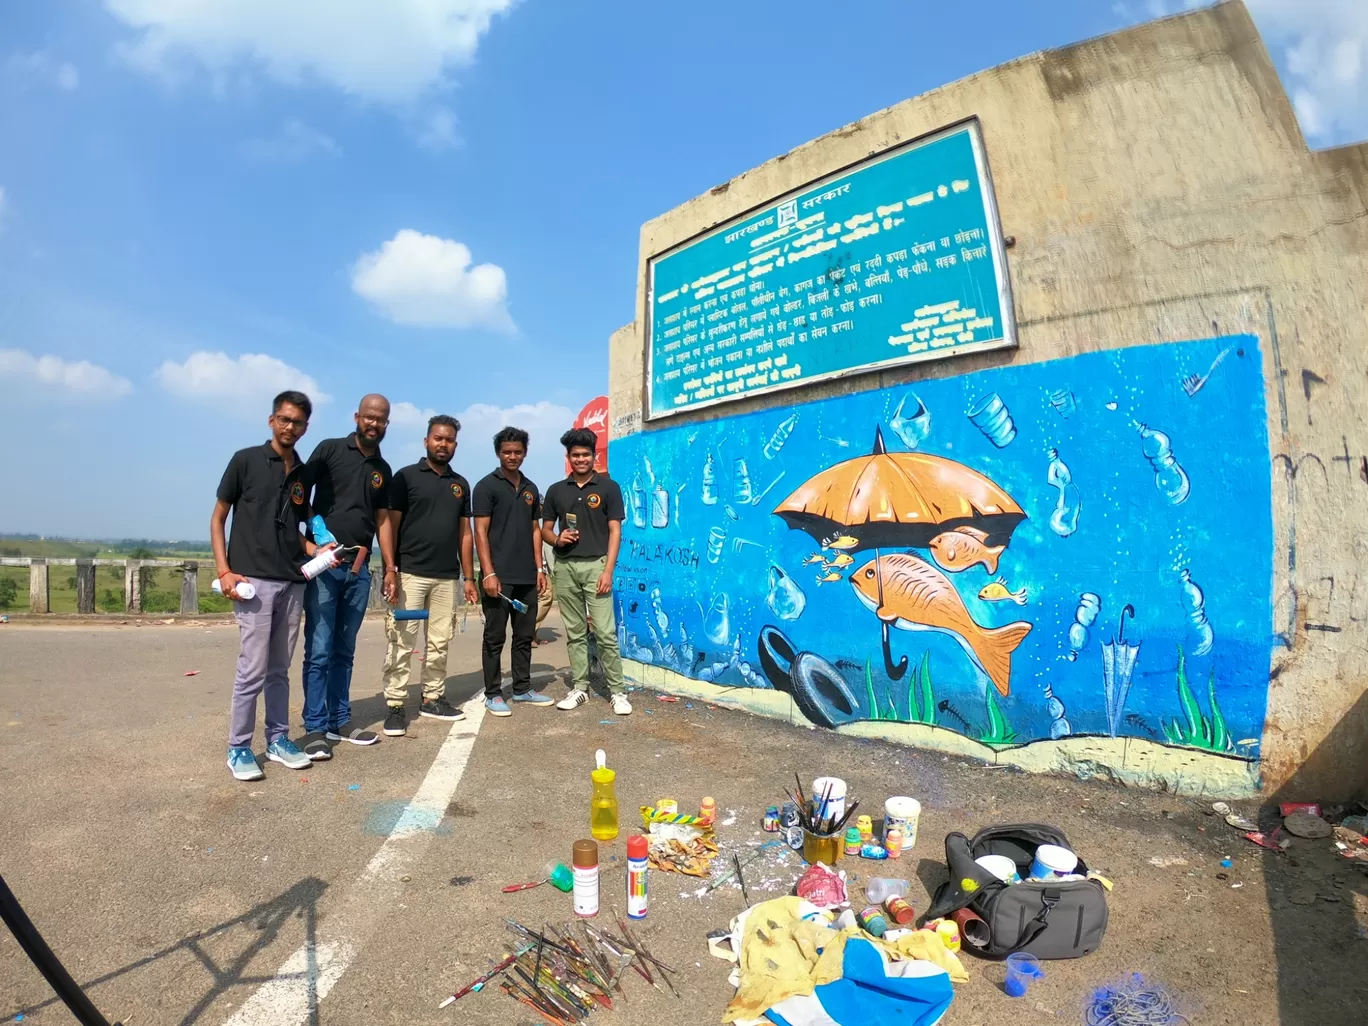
(350, 482)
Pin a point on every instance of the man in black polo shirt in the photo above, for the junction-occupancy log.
(263, 488)
(351, 481)
(588, 507)
(426, 544)
(506, 508)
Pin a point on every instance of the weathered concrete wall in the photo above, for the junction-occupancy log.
(1158, 189)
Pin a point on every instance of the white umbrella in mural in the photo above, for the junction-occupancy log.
(1118, 665)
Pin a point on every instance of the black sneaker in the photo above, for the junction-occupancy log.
(315, 745)
(356, 735)
(440, 709)
(396, 723)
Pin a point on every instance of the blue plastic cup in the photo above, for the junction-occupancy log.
(1021, 970)
(991, 416)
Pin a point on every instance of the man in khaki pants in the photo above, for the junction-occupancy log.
(425, 541)
(582, 516)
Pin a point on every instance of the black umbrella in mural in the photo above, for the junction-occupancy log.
(898, 500)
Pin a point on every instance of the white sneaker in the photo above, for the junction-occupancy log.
(621, 707)
(576, 698)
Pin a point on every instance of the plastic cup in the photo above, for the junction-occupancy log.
(903, 813)
(1000, 866)
(1021, 970)
(1052, 861)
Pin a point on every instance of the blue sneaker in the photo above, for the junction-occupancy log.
(534, 698)
(243, 764)
(285, 752)
(497, 706)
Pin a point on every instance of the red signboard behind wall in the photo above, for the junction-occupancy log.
(594, 416)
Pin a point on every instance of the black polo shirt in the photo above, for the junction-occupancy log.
(268, 507)
(349, 487)
(594, 504)
(433, 506)
(513, 514)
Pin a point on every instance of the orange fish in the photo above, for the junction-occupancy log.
(965, 547)
(909, 593)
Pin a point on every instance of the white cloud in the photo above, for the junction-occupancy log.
(407, 415)
(426, 281)
(391, 52)
(80, 376)
(294, 142)
(41, 66)
(2, 204)
(251, 380)
(438, 131)
(545, 422)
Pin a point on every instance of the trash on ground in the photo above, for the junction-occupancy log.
(190, 673)
(1288, 808)
(1273, 840)
(1241, 823)
(1132, 1002)
(1306, 824)
(353, 787)
(823, 886)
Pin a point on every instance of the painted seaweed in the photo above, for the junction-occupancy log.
(921, 702)
(1208, 733)
(998, 732)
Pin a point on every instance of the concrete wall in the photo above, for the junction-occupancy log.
(1157, 189)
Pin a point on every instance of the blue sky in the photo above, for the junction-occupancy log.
(205, 201)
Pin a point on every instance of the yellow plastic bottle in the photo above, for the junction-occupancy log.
(603, 809)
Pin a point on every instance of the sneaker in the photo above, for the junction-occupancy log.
(316, 747)
(243, 764)
(621, 707)
(534, 698)
(497, 706)
(440, 709)
(396, 723)
(576, 698)
(355, 735)
(285, 752)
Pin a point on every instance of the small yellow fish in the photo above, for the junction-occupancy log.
(813, 559)
(828, 577)
(844, 559)
(845, 541)
(997, 591)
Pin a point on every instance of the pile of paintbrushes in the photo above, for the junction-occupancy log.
(809, 809)
(564, 980)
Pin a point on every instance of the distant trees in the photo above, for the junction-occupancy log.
(9, 591)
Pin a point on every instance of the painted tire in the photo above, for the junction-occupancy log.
(820, 692)
(776, 658)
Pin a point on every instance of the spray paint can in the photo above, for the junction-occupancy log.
(585, 860)
(872, 921)
(246, 589)
(325, 560)
(637, 851)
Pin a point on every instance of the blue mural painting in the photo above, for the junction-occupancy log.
(1078, 547)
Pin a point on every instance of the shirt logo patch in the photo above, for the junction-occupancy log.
(297, 493)
(594, 501)
(527, 498)
(377, 479)
(456, 490)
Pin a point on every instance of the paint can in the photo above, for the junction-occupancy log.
(1052, 861)
(771, 820)
(789, 816)
(1001, 867)
(872, 921)
(900, 910)
(828, 798)
(637, 854)
(893, 842)
(585, 860)
(903, 813)
(949, 934)
(667, 805)
(866, 828)
(852, 841)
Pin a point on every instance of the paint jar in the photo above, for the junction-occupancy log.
(585, 860)
(900, 910)
(852, 841)
(828, 798)
(637, 851)
(1021, 970)
(1001, 867)
(905, 814)
(893, 842)
(788, 817)
(991, 416)
(825, 848)
(771, 820)
(707, 811)
(872, 921)
(949, 934)
(668, 806)
(866, 828)
(1052, 861)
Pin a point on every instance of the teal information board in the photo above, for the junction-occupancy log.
(897, 260)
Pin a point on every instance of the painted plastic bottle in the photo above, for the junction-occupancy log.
(585, 860)
(603, 810)
(637, 851)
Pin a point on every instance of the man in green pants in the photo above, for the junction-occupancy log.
(582, 517)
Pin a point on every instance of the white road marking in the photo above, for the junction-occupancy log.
(305, 978)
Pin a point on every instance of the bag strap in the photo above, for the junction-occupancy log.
(1049, 898)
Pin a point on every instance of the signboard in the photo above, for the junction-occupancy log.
(594, 416)
(897, 260)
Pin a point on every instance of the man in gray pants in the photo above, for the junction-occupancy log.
(265, 490)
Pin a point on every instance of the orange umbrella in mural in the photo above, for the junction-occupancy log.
(906, 500)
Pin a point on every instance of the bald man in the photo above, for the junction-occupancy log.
(350, 481)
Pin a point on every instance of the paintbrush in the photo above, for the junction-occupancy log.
(736, 860)
(480, 981)
(645, 955)
(850, 811)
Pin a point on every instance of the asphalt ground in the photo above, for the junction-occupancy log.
(364, 890)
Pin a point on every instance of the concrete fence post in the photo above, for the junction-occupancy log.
(133, 586)
(377, 592)
(189, 604)
(38, 587)
(85, 586)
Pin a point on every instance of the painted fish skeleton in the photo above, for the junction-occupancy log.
(909, 593)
